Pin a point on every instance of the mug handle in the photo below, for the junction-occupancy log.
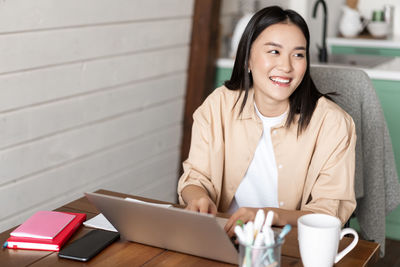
(349, 247)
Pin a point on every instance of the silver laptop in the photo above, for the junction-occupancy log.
(171, 228)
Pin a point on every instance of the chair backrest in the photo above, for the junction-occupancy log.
(376, 183)
(346, 82)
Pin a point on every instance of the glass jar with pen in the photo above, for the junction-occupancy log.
(260, 256)
(259, 244)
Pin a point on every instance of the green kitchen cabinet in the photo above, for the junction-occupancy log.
(221, 75)
(389, 94)
(344, 46)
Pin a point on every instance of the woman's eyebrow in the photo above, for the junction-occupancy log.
(273, 44)
(280, 46)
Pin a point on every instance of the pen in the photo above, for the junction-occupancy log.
(240, 234)
(269, 241)
(258, 236)
(243, 238)
(249, 236)
(285, 230)
(239, 222)
(249, 232)
(269, 219)
(269, 237)
(258, 222)
(259, 241)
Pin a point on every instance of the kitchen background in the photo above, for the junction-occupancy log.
(233, 10)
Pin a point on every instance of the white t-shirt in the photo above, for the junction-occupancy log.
(259, 187)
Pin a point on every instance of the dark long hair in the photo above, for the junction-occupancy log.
(304, 99)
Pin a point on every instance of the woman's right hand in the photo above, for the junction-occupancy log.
(203, 205)
(198, 200)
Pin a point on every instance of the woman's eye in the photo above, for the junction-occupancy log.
(274, 52)
(301, 55)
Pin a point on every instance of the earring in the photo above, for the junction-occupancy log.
(248, 71)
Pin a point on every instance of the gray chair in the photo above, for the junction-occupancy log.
(376, 183)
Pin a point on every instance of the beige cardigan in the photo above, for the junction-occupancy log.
(315, 169)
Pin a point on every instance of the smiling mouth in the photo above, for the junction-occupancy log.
(280, 81)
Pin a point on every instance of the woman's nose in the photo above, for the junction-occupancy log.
(285, 64)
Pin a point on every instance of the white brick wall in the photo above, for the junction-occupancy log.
(91, 96)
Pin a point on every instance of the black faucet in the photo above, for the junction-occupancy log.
(322, 52)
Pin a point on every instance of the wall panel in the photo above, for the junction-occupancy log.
(91, 96)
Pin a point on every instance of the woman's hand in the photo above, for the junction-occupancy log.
(249, 214)
(243, 214)
(281, 217)
(203, 204)
(197, 199)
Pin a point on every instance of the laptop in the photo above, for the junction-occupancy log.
(175, 229)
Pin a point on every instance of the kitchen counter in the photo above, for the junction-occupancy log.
(393, 43)
(377, 67)
(386, 71)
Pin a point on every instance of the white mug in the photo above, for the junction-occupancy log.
(319, 236)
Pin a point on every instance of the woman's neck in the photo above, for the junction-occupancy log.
(272, 109)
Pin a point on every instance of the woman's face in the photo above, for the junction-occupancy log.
(277, 63)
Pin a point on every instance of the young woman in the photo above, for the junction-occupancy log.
(268, 138)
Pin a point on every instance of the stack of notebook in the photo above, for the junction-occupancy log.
(45, 230)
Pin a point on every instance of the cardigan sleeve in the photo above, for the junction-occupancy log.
(197, 167)
(333, 190)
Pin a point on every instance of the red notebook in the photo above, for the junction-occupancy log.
(54, 244)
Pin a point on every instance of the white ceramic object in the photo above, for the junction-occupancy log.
(319, 236)
(238, 32)
(396, 20)
(350, 24)
(378, 29)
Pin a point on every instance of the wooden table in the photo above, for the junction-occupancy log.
(124, 253)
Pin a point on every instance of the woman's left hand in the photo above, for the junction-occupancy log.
(243, 214)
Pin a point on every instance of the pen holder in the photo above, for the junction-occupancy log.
(260, 256)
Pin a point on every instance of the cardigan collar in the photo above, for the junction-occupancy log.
(249, 111)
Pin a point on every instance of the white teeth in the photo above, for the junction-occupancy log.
(279, 80)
